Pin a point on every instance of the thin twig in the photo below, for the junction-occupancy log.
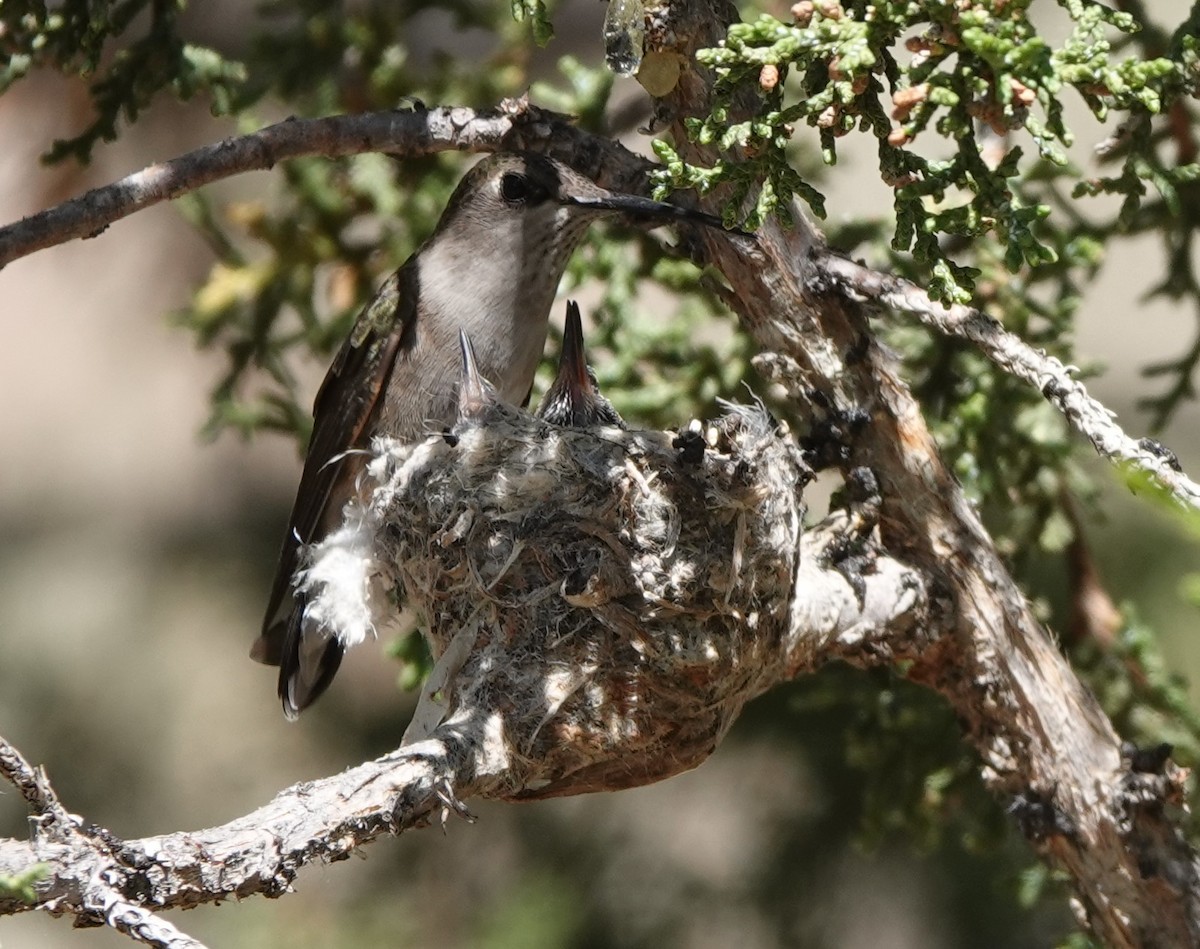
(33, 785)
(1015, 356)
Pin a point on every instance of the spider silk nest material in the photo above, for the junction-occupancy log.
(625, 599)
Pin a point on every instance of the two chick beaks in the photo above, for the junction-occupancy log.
(573, 399)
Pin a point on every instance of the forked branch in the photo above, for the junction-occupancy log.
(478, 749)
(516, 124)
(1044, 741)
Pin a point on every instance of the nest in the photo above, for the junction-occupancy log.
(622, 594)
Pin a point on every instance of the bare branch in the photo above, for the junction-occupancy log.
(53, 828)
(514, 125)
(259, 853)
(1016, 357)
(480, 749)
(140, 924)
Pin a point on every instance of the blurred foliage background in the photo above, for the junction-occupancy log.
(141, 533)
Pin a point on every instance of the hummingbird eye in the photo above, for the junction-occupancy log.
(516, 188)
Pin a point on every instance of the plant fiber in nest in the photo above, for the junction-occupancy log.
(621, 599)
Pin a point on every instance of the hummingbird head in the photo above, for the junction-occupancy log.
(495, 260)
(573, 399)
(547, 202)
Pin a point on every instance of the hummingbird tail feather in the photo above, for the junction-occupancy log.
(310, 661)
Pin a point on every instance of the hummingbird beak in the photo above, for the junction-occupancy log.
(573, 399)
(473, 395)
(641, 209)
(574, 360)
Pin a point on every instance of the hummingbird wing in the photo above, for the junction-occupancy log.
(343, 410)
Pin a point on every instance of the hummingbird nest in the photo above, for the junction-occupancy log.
(616, 596)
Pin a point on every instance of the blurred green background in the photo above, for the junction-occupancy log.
(135, 566)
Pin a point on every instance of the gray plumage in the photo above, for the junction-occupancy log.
(491, 267)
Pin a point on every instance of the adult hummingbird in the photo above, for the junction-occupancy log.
(574, 399)
(491, 268)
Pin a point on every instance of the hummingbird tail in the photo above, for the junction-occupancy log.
(309, 661)
(334, 604)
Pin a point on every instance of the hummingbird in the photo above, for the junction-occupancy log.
(476, 396)
(491, 267)
(573, 399)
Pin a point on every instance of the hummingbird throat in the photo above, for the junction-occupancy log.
(475, 288)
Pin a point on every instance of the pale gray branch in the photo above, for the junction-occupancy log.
(99, 878)
(1016, 357)
(419, 131)
(97, 898)
(482, 748)
(139, 924)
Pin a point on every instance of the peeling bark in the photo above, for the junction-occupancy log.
(1039, 731)
(936, 593)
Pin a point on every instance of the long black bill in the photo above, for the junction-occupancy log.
(647, 209)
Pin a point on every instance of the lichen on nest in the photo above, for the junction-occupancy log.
(627, 592)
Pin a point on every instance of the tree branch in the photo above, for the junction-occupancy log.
(1016, 357)
(98, 899)
(1043, 739)
(259, 853)
(514, 125)
(479, 749)
(139, 924)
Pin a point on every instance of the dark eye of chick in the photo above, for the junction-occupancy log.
(516, 188)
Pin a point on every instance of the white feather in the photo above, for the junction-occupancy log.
(338, 580)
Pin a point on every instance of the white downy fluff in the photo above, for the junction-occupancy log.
(338, 582)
